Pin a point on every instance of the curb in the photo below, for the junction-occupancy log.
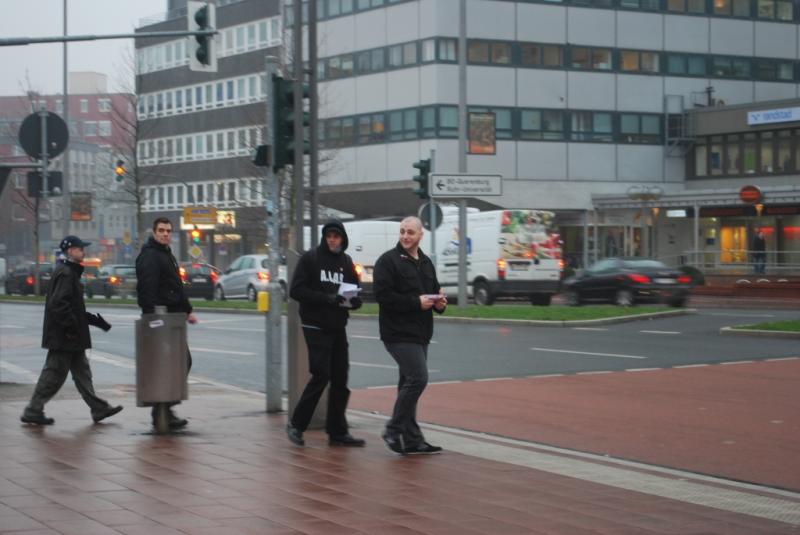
(735, 331)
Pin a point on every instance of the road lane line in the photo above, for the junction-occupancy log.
(222, 351)
(737, 362)
(545, 375)
(643, 369)
(488, 379)
(691, 366)
(8, 326)
(589, 329)
(738, 315)
(112, 360)
(661, 332)
(594, 373)
(364, 337)
(588, 353)
(779, 359)
(384, 366)
(18, 370)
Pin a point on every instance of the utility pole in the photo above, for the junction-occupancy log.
(274, 368)
(313, 168)
(65, 207)
(462, 151)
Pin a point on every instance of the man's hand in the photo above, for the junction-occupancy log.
(441, 303)
(425, 302)
(102, 323)
(191, 318)
(355, 303)
(335, 299)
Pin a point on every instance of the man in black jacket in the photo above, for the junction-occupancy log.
(324, 312)
(65, 335)
(407, 291)
(158, 283)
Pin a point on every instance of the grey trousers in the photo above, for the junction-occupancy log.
(412, 361)
(54, 373)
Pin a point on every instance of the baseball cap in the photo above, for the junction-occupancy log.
(73, 241)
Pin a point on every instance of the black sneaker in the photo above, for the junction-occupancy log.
(394, 443)
(173, 421)
(105, 413)
(36, 418)
(347, 440)
(424, 449)
(295, 435)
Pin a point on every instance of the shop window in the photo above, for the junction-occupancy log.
(541, 55)
(715, 156)
(784, 163)
(767, 153)
(733, 156)
(749, 151)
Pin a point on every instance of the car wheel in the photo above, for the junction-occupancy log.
(219, 293)
(572, 298)
(108, 293)
(623, 298)
(251, 294)
(482, 294)
(541, 300)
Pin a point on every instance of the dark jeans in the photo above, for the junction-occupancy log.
(54, 373)
(412, 361)
(328, 361)
(154, 411)
(760, 261)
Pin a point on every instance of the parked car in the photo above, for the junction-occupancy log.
(247, 276)
(111, 280)
(20, 280)
(627, 281)
(199, 279)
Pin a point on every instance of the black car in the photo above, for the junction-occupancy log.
(111, 280)
(627, 281)
(199, 279)
(20, 281)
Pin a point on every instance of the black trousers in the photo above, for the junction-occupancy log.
(412, 362)
(56, 367)
(328, 362)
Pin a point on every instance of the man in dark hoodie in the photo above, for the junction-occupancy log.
(65, 335)
(324, 313)
(158, 283)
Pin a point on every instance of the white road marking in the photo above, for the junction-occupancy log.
(594, 373)
(742, 315)
(222, 351)
(381, 387)
(384, 366)
(643, 369)
(737, 362)
(18, 370)
(486, 380)
(782, 359)
(589, 329)
(588, 353)
(8, 326)
(661, 332)
(364, 337)
(546, 376)
(691, 366)
(112, 360)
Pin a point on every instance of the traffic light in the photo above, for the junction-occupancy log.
(197, 236)
(119, 171)
(424, 168)
(284, 109)
(202, 16)
(55, 181)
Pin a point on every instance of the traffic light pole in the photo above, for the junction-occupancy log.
(274, 368)
(432, 213)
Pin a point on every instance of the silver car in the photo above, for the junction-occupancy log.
(247, 276)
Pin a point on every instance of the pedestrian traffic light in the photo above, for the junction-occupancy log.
(119, 171)
(284, 110)
(202, 17)
(197, 236)
(424, 168)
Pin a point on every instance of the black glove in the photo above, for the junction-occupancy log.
(102, 323)
(335, 299)
(355, 303)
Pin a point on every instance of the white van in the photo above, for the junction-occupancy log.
(510, 253)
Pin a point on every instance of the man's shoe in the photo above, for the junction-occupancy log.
(105, 413)
(176, 422)
(295, 435)
(347, 440)
(424, 449)
(394, 443)
(36, 418)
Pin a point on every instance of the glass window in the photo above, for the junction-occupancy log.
(229, 90)
(478, 52)
(396, 56)
(733, 155)
(347, 65)
(700, 160)
(363, 62)
(784, 10)
(741, 8)
(767, 152)
(749, 161)
(501, 53)
(591, 126)
(580, 58)
(715, 155)
(766, 9)
(601, 58)
(409, 53)
(783, 162)
(188, 94)
(722, 7)
(377, 60)
(629, 60)
(448, 121)
(448, 50)
(348, 131)
(429, 122)
(428, 50)
(198, 96)
(697, 65)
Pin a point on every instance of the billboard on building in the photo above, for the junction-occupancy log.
(80, 206)
(482, 133)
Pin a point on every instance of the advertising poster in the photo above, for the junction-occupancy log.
(482, 133)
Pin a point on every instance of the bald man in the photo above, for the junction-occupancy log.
(407, 292)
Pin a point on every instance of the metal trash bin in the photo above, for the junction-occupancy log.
(161, 364)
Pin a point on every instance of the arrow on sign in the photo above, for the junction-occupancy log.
(440, 185)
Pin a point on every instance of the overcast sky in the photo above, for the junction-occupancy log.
(42, 63)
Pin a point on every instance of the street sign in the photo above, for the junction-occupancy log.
(460, 185)
(424, 214)
(200, 215)
(30, 135)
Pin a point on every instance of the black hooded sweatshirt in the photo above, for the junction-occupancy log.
(316, 281)
(158, 281)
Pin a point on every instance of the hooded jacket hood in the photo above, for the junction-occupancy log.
(334, 224)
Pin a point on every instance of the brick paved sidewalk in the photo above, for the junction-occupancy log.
(235, 472)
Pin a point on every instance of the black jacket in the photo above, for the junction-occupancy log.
(158, 281)
(66, 322)
(316, 280)
(398, 281)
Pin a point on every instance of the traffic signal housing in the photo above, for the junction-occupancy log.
(422, 179)
(119, 171)
(197, 236)
(202, 17)
(283, 113)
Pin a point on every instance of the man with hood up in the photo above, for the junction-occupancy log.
(324, 313)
